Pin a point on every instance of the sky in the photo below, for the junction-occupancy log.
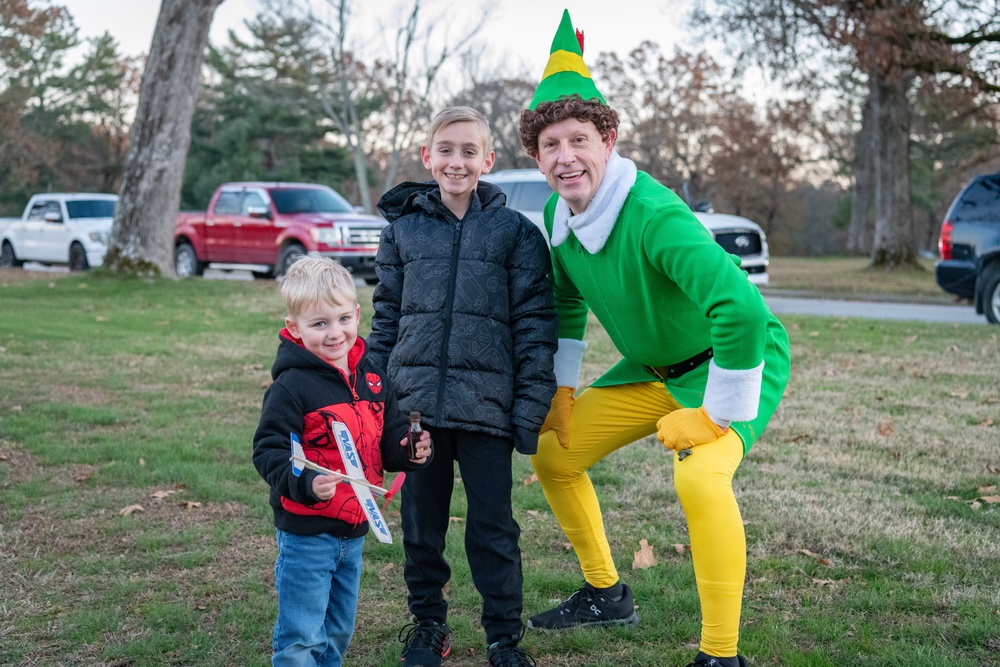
(521, 28)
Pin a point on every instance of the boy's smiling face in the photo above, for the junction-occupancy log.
(326, 330)
(456, 159)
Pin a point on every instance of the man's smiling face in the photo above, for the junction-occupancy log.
(573, 158)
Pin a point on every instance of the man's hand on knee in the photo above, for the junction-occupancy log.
(686, 428)
(559, 414)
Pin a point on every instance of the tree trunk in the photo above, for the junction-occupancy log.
(142, 236)
(859, 231)
(894, 244)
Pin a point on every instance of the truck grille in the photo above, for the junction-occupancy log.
(363, 236)
(740, 243)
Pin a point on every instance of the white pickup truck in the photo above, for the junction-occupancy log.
(59, 228)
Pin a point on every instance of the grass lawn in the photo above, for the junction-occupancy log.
(135, 531)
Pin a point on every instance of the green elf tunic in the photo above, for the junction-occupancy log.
(665, 290)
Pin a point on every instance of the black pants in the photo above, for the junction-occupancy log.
(491, 534)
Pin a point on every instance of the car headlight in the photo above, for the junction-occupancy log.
(327, 235)
(100, 237)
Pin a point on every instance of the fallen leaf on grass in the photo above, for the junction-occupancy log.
(101, 318)
(819, 559)
(266, 383)
(987, 489)
(83, 476)
(455, 519)
(15, 408)
(643, 558)
(829, 582)
(4, 457)
(990, 500)
(681, 548)
(993, 469)
(190, 505)
(959, 394)
(131, 509)
(985, 424)
(885, 427)
(160, 495)
(975, 504)
(911, 339)
(533, 513)
(530, 479)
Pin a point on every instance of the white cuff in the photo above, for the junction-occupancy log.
(568, 360)
(732, 395)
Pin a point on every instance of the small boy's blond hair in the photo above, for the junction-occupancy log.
(314, 278)
(450, 115)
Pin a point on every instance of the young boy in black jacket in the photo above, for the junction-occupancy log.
(464, 324)
(322, 373)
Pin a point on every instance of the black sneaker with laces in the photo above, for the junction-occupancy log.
(705, 660)
(587, 607)
(508, 653)
(426, 643)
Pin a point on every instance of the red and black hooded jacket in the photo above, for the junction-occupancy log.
(306, 394)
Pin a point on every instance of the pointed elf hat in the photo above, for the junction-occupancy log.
(566, 74)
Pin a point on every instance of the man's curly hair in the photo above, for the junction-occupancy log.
(535, 120)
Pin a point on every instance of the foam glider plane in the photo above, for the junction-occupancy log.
(354, 476)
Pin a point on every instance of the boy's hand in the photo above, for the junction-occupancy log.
(559, 412)
(686, 428)
(324, 486)
(423, 447)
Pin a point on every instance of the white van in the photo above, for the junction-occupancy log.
(527, 191)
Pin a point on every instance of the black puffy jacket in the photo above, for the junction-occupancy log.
(464, 321)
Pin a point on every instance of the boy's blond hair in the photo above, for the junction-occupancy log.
(450, 115)
(314, 278)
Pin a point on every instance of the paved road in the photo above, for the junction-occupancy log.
(923, 312)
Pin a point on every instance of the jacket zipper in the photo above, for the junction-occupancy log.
(448, 303)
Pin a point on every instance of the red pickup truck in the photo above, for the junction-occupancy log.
(264, 227)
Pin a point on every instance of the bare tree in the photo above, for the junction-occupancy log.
(893, 43)
(385, 101)
(141, 239)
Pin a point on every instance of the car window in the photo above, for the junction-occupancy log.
(311, 200)
(980, 202)
(228, 203)
(533, 195)
(40, 208)
(91, 208)
(253, 199)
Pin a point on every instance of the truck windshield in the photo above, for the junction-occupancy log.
(312, 200)
(91, 208)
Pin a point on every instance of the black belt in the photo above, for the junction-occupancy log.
(680, 368)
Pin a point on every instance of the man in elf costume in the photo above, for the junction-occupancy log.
(705, 362)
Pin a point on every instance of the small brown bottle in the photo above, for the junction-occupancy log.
(414, 435)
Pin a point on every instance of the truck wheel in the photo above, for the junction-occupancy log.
(78, 258)
(186, 262)
(991, 295)
(287, 257)
(8, 259)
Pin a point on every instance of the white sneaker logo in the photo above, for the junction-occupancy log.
(593, 608)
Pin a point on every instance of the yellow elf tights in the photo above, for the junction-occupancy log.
(607, 418)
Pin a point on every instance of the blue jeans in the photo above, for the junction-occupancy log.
(317, 578)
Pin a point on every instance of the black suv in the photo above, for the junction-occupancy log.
(970, 246)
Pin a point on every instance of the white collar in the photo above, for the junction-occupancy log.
(594, 225)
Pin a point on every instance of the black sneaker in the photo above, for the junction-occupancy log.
(508, 653)
(587, 607)
(426, 643)
(703, 660)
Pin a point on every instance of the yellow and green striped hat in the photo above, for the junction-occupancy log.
(566, 74)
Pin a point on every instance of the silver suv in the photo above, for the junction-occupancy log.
(527, 191)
